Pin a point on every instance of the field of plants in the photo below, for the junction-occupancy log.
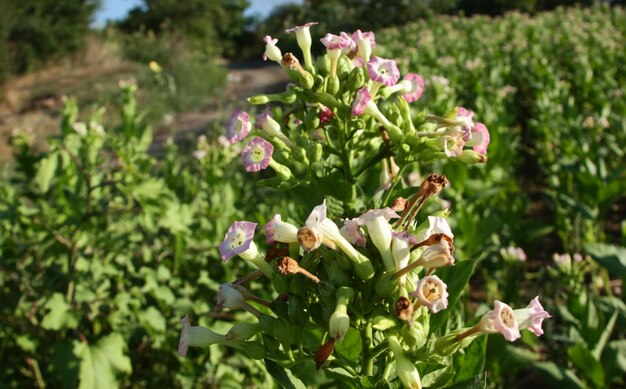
(105, 246)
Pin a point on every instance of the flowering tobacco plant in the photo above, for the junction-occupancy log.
(364, 298)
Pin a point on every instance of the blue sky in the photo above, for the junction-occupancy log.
(117, 9)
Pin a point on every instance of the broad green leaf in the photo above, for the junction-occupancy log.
(103, 362)
(614, 360)
(152, 319)
(586, 364)
(604, 337)
(60, 315)
(456, 277)
(609, 256)
(350, 347)
(470, 361)
(150, 189)
(283, 376)
(559, 376)
(478, 381)
(45, 171)
(64, 364)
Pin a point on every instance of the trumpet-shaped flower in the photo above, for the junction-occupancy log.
(436, 225)
(365, 42)
(336, 42)
(379, 230)
(464, 118)
(384, 71)
(351, 230)
(361, 101)
(280, 231)
(438, 254)
(479, 138)
(432, 293)
(257, 154)
(303, 37)
(238, 241)
(238, 126)
(413, 87)
(531, 317)
(197, 336)
(501, 319)
(271, 50)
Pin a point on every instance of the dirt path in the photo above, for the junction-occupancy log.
(34, 102)
(244, 79)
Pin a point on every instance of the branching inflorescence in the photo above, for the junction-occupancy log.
(372, 281)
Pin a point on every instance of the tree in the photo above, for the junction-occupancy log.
(211, 25)
(37, 30)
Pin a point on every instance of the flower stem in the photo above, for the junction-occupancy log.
(367, 368)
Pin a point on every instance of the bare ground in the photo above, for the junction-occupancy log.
(35, 101)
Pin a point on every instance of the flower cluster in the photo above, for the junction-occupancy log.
(366, 261)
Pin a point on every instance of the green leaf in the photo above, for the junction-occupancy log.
(59, 315)
(604, 337)
(456, 277)
(64, 364)
(350, 347)
(103, 362)
(45, 171)
(476, 382)
(611, 257)
(283, 376)
(152, 319)
(559, 376)
(614, 360)
(586, 364)
(470, 361)
(150, 189)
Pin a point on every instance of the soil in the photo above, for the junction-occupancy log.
(34, 101)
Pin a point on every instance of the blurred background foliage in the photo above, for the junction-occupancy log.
(105, 245)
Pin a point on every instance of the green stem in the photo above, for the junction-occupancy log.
(367, 369)
(394, 183)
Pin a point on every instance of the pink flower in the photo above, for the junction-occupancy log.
(304, 27)
(337, 42)
(280, 231)
(351, 230)
(384, 71)
(257, 154)
(238, 126)
(363, 97)
(432, 293)
(415, 89)
(453, 145)
(271, 51)
(501, 319)
(237, 240)
(326, 114)
(365, 42)
(532, 316)
(351, 43)
(465, 119)
(479, 138)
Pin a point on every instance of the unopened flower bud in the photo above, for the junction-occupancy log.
(243, 331)
(405, 369)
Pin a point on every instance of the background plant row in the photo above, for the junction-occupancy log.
(105, 247)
